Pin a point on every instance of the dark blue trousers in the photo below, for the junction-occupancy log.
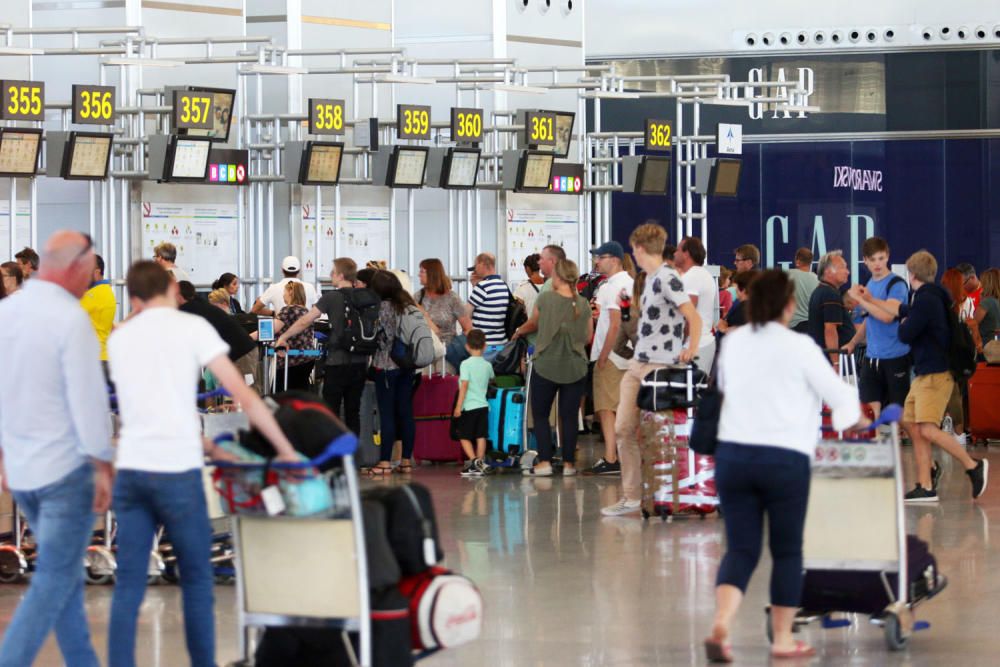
(752, 481)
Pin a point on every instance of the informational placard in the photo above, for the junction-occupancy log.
(530, 230)
(93, 105)
(363, 236)
(729, 139)
(22, 231)
(413, 121)
(22, 100)
(326, 116)
(204, 234)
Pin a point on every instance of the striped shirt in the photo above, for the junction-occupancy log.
(489, 299)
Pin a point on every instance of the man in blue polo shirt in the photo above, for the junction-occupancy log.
(885, 371)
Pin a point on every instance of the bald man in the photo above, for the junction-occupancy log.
(56, 445)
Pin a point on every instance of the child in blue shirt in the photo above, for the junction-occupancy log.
(471, 417)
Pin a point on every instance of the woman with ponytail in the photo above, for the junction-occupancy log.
(230, 283)
(560, 364)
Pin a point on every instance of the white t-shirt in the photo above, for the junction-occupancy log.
(527, 292)
(156, 360)
(608, 298)
(699, 282)
(274, 296)
(179, 274)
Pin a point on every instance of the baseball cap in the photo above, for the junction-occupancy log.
(291, 264)
(613, 248)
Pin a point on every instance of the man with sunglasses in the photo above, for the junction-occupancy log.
(746, 258)
(56, 446)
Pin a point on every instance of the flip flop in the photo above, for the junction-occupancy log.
(403, 469)
(379, 471)
(801, 650)
(717, 651)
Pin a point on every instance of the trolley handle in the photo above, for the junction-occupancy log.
(295, 353)
(343, 445)
(891, 414)
(201, 397)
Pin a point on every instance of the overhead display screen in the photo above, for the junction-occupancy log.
(410, 165)
(19, 151)
(190, 159)
(726, 178)
(221, 112)
(463, 168)
(655, 176)
(87, 156)
(322, 163)
(537, 167)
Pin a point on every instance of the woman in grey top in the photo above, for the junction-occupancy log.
(393, 385)
(441, 304)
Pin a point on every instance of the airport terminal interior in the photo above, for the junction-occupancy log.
(501, 164)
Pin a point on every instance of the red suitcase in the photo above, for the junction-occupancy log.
(984, 403)
(433, 404)
(662, 441)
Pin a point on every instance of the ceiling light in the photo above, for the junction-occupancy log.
(261, 68)
(143, 62)
(400, 78)
(513, 88)
(20, 51)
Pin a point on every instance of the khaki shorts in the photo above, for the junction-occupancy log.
(928, 398)
(606, 385)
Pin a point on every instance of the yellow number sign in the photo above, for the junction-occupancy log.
(540, 127)
(22, 100)
(193, 110)
(658, 135)
(467, 125)
(413, 122)
(326, 116)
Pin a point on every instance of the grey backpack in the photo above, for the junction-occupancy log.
(414, 344)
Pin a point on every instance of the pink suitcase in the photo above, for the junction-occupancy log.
(662, 441)
(433, 404)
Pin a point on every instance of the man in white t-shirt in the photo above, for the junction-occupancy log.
(703, 292)
(272, 300)
(156, 359)
(609, 368)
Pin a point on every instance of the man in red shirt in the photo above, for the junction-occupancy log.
(973, 287)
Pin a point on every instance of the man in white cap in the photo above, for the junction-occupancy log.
(273, 299)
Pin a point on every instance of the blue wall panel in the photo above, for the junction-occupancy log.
(933, 194)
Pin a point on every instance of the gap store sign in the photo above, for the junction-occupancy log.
(933, 194)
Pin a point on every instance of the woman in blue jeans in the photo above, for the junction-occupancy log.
(560, 365)
(156, 359)
(774, 382)
(393, 385)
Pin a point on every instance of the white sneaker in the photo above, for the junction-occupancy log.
(962, 439)
(621, 507)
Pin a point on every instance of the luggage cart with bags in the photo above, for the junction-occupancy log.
(856, 553)
(328, 586)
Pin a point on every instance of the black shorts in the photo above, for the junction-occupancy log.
(885, 381)
(471, 425)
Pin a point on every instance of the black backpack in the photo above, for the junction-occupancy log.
(360, 336)
(516, 315)
(961, 349)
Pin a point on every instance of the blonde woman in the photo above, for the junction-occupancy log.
(564, 326)
(299, 367)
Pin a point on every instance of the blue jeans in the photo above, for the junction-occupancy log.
(143, 500)
(394, 393)
(61, 518)
(753, 480)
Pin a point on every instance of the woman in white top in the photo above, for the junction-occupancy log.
(774, 382)
(528, 290)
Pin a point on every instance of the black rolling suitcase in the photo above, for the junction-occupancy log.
(864, 592)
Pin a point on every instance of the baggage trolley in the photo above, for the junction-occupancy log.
(328, 585)
(269, 358)
(855, 523)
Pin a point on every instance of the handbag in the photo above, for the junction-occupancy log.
(508, 360)
(704, 437)
(671, 388)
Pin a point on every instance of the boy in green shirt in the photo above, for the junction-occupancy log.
(471, 417)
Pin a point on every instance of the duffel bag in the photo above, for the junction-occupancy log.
(446, 609)
(672, 388)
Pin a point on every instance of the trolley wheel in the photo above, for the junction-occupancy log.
(645, 514)
(93, 578)
(11, 577)
(894, 637)
(768, 625)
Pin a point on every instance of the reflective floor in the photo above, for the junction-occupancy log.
(564, 586)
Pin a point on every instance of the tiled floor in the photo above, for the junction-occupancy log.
(565, 587)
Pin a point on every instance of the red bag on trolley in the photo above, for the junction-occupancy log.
(662, 438)
(446, 609)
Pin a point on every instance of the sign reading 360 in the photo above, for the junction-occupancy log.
(22, 100)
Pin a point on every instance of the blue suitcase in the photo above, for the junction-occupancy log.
(506, 419)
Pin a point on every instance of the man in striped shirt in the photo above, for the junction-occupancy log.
(489, 299)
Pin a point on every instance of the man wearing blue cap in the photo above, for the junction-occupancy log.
(609, 368)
